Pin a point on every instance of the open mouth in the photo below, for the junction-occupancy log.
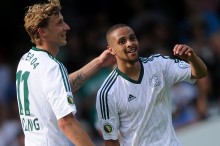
(132, 51)
(63, 36)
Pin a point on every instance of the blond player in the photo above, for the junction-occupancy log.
(44, 88)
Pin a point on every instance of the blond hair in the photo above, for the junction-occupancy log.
(37, 16)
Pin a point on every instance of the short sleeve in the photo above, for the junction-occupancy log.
(177, 71)
(58, 90)
(108, 120)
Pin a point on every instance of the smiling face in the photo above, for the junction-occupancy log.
(55, 32)
(124, 45)
(46, 27)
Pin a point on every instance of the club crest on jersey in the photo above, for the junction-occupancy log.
(70, 99)
(183, 64)
(108, 128)
(154, 80)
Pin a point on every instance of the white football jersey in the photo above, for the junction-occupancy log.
(141, 110)
(44, 96)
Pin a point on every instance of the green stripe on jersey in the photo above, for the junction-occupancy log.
(64, 74)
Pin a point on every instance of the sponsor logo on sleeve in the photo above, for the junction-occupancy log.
(108, 128)
(70, 99)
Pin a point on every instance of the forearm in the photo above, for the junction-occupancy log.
(72, 129)
(198, 67)
(112, 143)
(78, 78)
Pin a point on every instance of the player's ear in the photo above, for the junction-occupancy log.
(41, 32)
(111, 50)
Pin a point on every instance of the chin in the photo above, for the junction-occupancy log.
(134, 60)
(63, 43)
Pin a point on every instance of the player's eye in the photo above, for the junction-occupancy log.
(132, 38)
(122, 41)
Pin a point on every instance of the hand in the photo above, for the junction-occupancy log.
(107, 59)
(183, 51)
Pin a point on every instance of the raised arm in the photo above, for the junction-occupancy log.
(198, 67)
(79, 77)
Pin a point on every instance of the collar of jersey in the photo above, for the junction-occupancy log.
(37, 49)
(131, 80)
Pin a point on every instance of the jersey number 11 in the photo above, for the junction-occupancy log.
(22, 78)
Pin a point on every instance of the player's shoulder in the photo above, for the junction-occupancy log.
(155, 57)
(109, 82)
(45, 57)
(39, 59)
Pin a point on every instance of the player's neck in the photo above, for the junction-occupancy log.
(52, 50)
(131, 70)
